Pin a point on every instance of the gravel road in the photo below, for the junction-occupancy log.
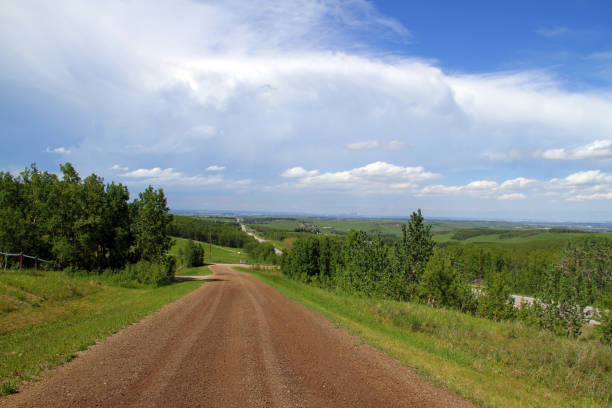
(234, 342)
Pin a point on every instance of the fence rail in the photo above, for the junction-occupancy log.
(36, 259)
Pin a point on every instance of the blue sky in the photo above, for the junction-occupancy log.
(479, 109)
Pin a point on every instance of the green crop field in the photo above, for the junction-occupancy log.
(47, 317)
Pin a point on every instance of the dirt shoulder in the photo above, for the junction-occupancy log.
(234, 342)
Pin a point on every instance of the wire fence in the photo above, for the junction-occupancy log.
(37, 261)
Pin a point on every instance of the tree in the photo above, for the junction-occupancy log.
(151, 221)
(496, 303)
(116, 235)
(413, 252)
(442, 285)
(193, 254)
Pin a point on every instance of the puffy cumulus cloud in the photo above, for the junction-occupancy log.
(215, 167)
(58, 150)
(479, 188)
(599, 149)
(583, 185)
(518, 183)
(299, 172)
(378, 177)
(169, 176)
(376, 145)
(118, 167)
(582, 178)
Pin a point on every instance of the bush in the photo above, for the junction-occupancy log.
(606, 329)
(144, 273)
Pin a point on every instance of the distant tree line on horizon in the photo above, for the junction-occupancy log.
(85, 224)
(222, 233)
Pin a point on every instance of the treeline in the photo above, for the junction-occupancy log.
(84, 224)
(220, 233)
(223, 233)
(522, 270)
(467, 233)
(261, 253)
(412, 269)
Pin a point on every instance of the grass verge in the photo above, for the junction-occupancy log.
(47, 317)
(505, 364)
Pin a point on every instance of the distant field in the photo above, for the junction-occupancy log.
(484, 232)
(538, 240)
(219, 254)
(46, 317)
(331, 226)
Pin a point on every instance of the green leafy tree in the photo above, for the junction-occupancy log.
(496, 302)
(413, 252)
(151, 221)
(193, 254)
(442, 285)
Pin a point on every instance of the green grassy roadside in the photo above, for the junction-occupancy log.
(504, 364)
(46, 317)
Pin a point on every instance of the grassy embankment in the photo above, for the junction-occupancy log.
(219, 254)
(505, 364)
(46, 317)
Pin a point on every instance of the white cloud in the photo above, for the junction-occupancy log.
(161, 176)
(58, 150)
(508, 190)
(378, 177)
(579, 186)
(582, 178)
(583, 185)
(118, 167)
(214, 167)
(479, 188)
(297, 172)
(599, 149)
(512, 196)
(375, 145)
(518, 183)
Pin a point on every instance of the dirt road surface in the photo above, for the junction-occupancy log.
(234, 342)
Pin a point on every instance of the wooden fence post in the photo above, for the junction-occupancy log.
(36, 263)
(20, 259)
